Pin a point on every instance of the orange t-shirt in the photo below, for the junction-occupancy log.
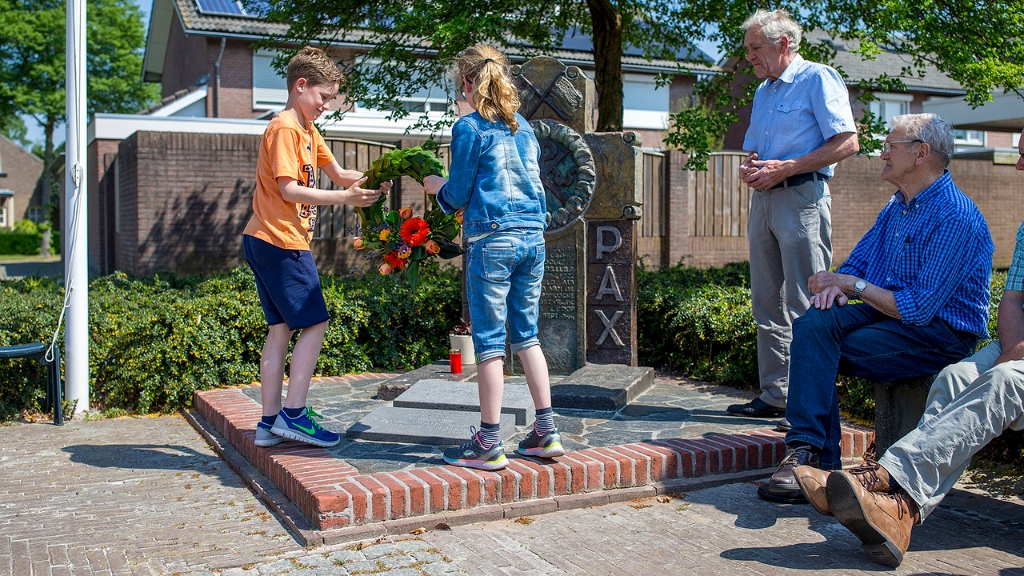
(286, 150)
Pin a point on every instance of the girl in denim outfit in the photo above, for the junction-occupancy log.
(495, 176)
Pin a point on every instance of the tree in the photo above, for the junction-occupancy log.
(32, 63)
(410, 44)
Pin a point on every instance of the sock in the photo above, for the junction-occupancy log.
(293, 412)
(489, 434)
(269, 420)
(545, 421)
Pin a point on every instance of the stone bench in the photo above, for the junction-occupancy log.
(899, 406)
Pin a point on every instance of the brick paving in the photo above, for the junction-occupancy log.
(150, 496)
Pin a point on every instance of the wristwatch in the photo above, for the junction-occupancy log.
(858, 289)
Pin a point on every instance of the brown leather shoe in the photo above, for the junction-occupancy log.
(812, 484)
(871, 476)
(881, 520)
(783, 487)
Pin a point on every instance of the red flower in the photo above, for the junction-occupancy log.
(414, 231)
(394, 261)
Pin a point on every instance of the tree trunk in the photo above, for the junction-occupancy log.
(47, 178)
(608, 62)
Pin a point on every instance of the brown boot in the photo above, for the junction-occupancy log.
(881, 520)
(812, 484)
(871, 476)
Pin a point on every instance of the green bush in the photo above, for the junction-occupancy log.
(698, 321)
(19, 243)
(154, 341)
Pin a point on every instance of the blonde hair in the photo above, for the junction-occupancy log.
(494, 94)
(315, 66)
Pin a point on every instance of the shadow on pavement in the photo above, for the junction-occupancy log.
(143, 456)
(14, 270)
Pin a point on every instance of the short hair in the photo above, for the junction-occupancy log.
(774, 25)
(494, 93)
(928, 128)
(315, 66)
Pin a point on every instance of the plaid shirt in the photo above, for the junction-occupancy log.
(934, 253)
(1015, 277)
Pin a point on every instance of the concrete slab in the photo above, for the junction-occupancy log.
(415, 426)
(465, 397)
(602, 387)
(439, 370)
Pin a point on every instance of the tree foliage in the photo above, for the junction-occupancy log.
(411, 43)
(32, 62)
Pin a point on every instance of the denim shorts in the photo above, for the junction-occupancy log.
(288, 284)
(503, 277)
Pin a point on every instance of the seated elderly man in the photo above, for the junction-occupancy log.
(969, 404)
(922, 273)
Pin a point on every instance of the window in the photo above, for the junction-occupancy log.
(1016, 139)
(885, 106)
(269, 89)
(35, 214)
(970, 137)
(645, 105)
(117, 195)
(3, 213)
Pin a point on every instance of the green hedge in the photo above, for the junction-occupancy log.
(154, 341)
(19, 243)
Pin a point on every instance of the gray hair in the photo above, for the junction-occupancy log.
(928, 128)
(774, 25)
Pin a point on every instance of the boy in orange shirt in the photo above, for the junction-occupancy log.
(276, 243)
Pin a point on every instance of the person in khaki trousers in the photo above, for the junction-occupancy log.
(801, 125)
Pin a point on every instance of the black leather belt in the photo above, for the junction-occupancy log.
(801, 179)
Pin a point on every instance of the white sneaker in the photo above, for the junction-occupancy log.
(264, 437)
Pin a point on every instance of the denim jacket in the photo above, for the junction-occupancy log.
(495, 175)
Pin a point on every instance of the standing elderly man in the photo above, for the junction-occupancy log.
(801, 125)
(922, 273)
(968, 405)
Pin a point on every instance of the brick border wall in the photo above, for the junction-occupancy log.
(333, 494)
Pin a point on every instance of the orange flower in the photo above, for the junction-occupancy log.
(385, 268)
(392, 260)
(432, 247)
(359, 244)
(414, 231)
(385, 234)
(404, 251)
(459, 215)
(405, 212)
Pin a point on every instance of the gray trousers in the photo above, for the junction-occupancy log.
(970, 403)
(790, 237)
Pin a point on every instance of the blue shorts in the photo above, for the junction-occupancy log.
(503, 280)
(288, 284)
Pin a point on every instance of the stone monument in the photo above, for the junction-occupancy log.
(594, 191)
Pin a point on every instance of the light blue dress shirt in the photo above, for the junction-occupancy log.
(799, 112)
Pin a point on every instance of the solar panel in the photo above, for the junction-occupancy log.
(226, 7)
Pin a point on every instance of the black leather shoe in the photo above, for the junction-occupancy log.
(783, 486)
(756, 408)
(783, 425)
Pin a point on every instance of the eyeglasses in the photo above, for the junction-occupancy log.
(887, 145)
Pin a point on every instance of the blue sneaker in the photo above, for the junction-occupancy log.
(264, 437)
(472, 454)
(304, 428)
(546, 446)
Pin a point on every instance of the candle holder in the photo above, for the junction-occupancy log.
(455, 361)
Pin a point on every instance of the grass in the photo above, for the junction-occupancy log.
(12, 258)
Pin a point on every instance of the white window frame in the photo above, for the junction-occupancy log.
(889, 99)
(266, 98)
(117, 195)
(1015, 139)
(972, 138)
(3, 213)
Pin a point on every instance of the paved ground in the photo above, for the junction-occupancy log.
(13, 268)
(147, 496)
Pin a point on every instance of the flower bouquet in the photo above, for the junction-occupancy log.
(401, 239)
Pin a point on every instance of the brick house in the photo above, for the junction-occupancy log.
(170, 187)
(20, 197)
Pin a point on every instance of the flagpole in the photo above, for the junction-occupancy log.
(76, 267)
